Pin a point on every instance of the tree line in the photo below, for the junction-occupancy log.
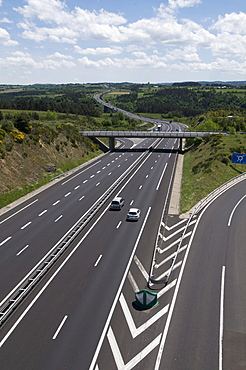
(182, 102)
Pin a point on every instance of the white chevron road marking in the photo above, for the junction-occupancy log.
(132, 327)
(141, 268)
(170, 236)
(135, 360)
(174, 226)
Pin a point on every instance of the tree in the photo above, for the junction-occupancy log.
(22, 122)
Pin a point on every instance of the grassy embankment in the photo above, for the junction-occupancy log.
(208, 165)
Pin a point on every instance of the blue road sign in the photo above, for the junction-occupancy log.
(239, 158)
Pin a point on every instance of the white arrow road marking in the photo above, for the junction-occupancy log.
(135, 360)
(132, 327)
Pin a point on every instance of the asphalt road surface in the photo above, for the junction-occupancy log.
(59, 324)
(82, 314)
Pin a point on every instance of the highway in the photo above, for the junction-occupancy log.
(60, 322)
(81, 314)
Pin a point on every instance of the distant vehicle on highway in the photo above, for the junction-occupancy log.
(133, 214)
(117, 203)
(159, 127)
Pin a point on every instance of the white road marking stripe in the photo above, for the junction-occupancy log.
(92, 365)
(82, 197)
(66, 195)
(54, 204)
(22, 250)
(77, 187)
(232, 213)
(98, 183)
(222, 295)
(79, 173)
(5, 241)
(133, 282)
(141, 268)
(135, 360)
(161, 177)
(42, 213)
(131, 202)
(60, 326)
(140, 187)
(167, 272)
(98, 260)
(85, 181)
(58, 218)
(92, 176)
(175, 225)
(130, 322)
(23, 227)
(18, 211)
(168, 287)
(118, 224)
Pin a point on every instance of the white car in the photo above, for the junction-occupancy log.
(133, 214)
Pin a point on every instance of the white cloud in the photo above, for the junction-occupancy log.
(80, 24)
(98, 51)
(5, 38)
(229, 45)
(5, 20)
(54, 64)
(187, 54)
(60, 56)
(233, 22)
(26, 61)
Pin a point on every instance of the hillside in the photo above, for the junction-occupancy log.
(207, 165)
(28, 160)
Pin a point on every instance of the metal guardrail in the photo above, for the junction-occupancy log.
(25, 286)
(196, 209)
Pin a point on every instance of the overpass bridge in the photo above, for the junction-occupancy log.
(112, 134)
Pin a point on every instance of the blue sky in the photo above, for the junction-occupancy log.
(54, 41)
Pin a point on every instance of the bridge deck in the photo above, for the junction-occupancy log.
(153, 134)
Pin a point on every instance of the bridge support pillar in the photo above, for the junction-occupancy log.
(111, 143)
(180, 145)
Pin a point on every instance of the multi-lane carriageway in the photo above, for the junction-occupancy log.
(80, 314)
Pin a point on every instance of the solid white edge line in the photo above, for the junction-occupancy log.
(170, 313)
(158, 185)
(222, 295)
(79, 173)
(59, 327)
(234, 209)
(28, 205)
(105, 329)
(7, 335)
